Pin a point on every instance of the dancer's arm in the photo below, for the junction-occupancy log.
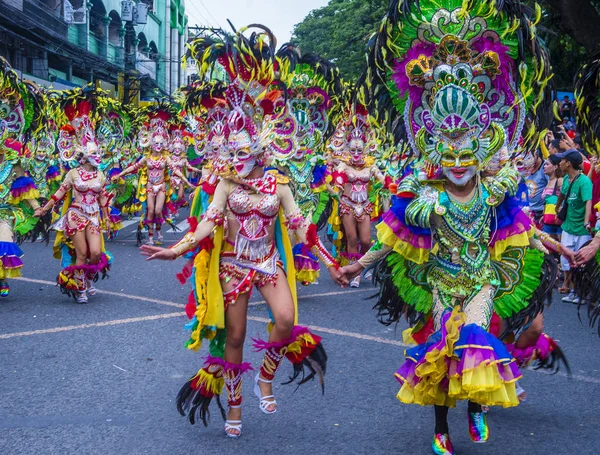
(213, 217)
(133, 168)
(65, 186)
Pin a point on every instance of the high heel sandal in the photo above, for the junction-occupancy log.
(264, 402)
(233, 425)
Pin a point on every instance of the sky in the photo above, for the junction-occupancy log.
(279, 15)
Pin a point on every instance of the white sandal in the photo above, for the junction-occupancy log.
(91, 290)
(521, 394)
(233, 425)
(264, 401)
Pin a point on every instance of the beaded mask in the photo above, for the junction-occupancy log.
(458, 78)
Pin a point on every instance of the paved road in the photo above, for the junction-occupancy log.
(101, 378)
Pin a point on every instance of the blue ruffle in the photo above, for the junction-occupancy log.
(398, 209)
(10, 249)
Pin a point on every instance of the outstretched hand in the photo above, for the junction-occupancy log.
(156, 252)
(585, 254)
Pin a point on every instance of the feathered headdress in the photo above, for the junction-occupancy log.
(314, 91)
(587, 89)
(355, 125)
(257, 117)
(446, 74)
(12, 106)
(76, 113)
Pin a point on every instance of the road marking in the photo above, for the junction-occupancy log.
(181, 305)
(355, 335)
(129, 222)
(183, 226)
(67, 328)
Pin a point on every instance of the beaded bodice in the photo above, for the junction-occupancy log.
(301, 175)
(254, 217)
(156, 169)
(87, 189)
(358, 179)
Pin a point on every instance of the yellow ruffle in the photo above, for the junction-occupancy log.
(482, 384)
(307, 276)
(209, 382)
(518, 240)
(415, 254)
(33, 193)
(14, 272)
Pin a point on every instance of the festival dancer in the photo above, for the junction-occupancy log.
(460, 245)
(356, 141)
(249, 217)
(179, 164)
(154, 181)
(314, 89)
(85, 211)
(18, 195)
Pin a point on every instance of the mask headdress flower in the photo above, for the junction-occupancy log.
(355, 138)
(258, 121)
(76, 112)
(463, 78)
(314, 91)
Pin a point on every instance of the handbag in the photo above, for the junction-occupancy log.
(562, 214)
(550, 216)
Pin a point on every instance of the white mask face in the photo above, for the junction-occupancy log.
(459, 175)
(356, 148)
(243, 162)
(94, 155)
(158, 144)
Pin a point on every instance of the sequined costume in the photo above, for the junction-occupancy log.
(85, 212)
(20, 113)
(458, 244)
(249, 218)
(314, 91)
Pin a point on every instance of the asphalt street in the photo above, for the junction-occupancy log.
(102, 378)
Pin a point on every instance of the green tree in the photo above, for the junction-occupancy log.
(339, 32)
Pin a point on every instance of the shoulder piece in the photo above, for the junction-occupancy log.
(410, 184)
(506, 181)
(419, 211)
(281, 179)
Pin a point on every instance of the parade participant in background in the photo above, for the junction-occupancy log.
(254, 249)
(179, 164)
(530, 166)
(314, 88)
(452, 233)
(21, 106)
(85, 211)
(154, 187)
(355, 141)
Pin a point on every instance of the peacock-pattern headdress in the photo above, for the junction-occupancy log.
(460, 75)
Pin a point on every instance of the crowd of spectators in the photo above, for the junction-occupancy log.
(564, 192)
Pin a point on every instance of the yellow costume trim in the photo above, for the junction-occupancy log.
(290, 270)
(215, 311)
(307, 276)
(518, 240)
(61, 239)
(201, 265)
(30, 194)
(482, 384)
(13, 272)
(415, 254)
(207, 381)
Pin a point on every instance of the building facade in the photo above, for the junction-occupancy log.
(131, 49)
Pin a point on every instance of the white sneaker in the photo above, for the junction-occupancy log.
(355, 283)
(569, 298)
(82, 297)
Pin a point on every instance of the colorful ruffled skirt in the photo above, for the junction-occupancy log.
(459, 362)
(306, 264)
(10, 260)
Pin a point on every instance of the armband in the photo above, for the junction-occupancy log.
(314, 243)
(187, 243)
(294, 220)
(214, 215)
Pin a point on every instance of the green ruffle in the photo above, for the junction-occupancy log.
(516, 297)
(323, 199)
(408, 278)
